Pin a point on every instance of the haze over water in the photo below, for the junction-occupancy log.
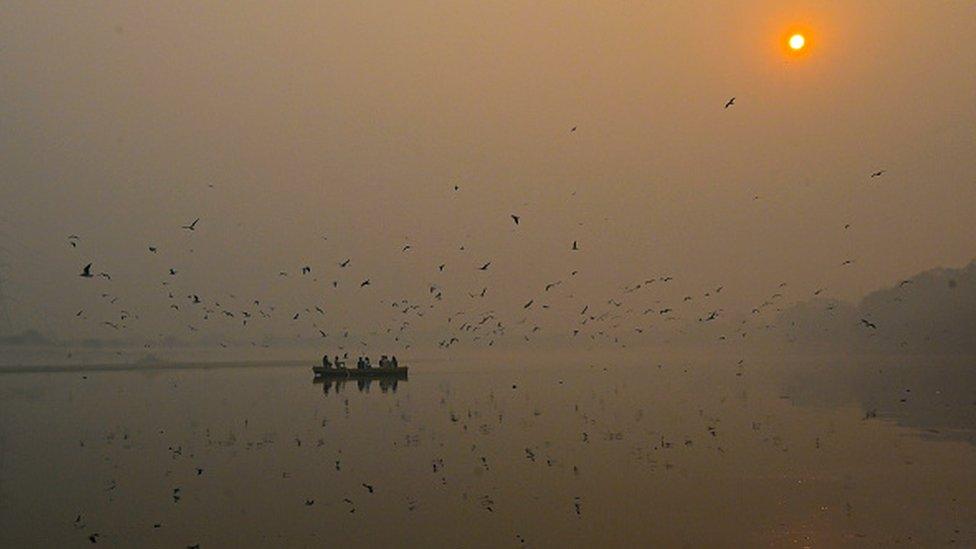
(689, 453)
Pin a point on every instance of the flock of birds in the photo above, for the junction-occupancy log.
(615, 319)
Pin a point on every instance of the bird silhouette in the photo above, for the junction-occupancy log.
(344, 263)
(86, 272)
(575, 246)
(364, 283)
(730, 103)
(484, 267)
(878, 173)
(191, 226)
(515, 218)
(869, 324)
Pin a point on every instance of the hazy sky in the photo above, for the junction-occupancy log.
(280, 123)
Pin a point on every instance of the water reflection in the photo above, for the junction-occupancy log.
(932, 396)
(682, 454)
(337, 385)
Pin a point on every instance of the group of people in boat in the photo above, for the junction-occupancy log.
(362, 363)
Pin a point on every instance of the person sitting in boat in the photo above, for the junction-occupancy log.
(360, 363)
(367, 364)
(384, 362)
(339, 363)
(325, 361)
(393, 362)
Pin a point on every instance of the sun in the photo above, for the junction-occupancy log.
(797, 42)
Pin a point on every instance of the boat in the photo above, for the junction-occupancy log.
(398, 372)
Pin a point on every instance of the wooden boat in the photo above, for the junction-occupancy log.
(399, 372)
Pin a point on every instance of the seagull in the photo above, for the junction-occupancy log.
(573, 129)
(730, 103)
(86, 272)
(575, 246)
(191, 226)
(172, 272)
(869, 324)
(405, 248)
(484, 267)
(368, 487)
(878, 173)
(441, 266)
(364, 283)
(152, 249)
(515, 218)
(306, 269)
(344, 263)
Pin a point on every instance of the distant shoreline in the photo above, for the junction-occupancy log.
(62, 369)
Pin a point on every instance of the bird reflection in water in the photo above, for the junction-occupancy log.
(387, 384)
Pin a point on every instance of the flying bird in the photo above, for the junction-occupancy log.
(869, 324)
(575, 246)
(515, 218)
(484, 267)
(86, 272)
(344, 263)
(730, 102)
(364, 283)
(878, 173)
(191, 226)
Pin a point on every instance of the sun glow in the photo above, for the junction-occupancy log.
(797, 41)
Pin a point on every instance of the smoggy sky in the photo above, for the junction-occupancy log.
(280, 123)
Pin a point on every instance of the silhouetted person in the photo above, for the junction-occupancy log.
(339, 363)
(325, 361)
(360, 363)
(384, 362)
(393, 362)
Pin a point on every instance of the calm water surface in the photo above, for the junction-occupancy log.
(675, 454)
